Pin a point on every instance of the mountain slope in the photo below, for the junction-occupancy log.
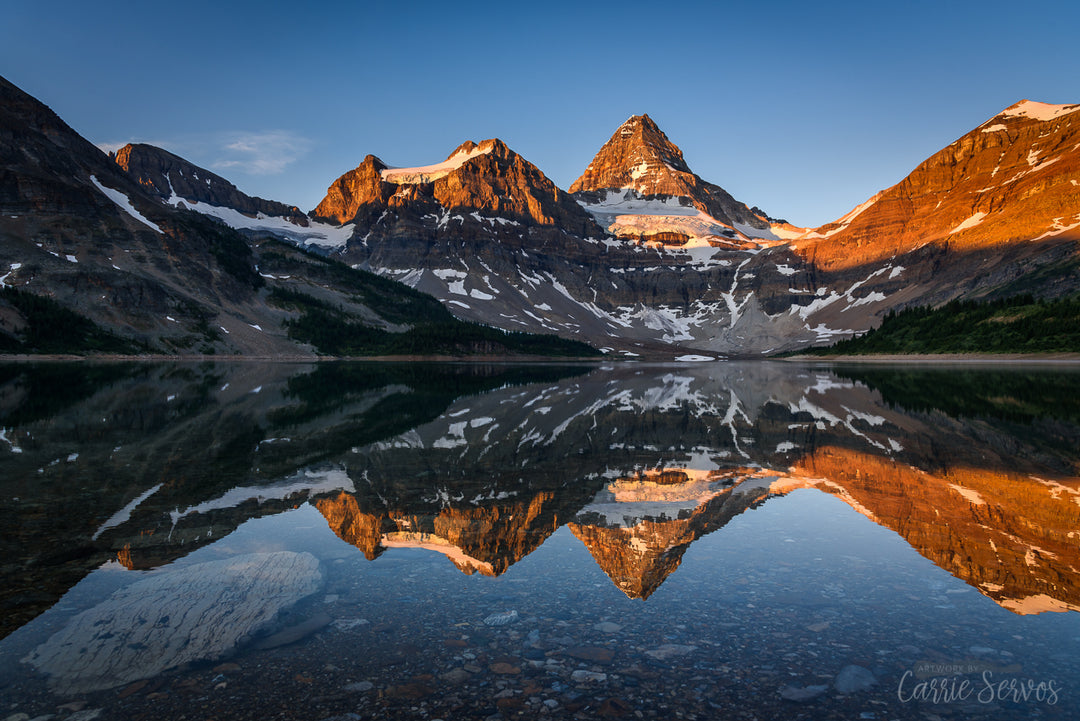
(183, 184)
(1014, 178)
(168, 175)
(78, 230)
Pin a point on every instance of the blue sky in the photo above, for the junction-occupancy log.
(804, 109)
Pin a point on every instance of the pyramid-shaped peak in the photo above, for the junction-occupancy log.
(639, 156)
(645, 128)
(643, 121)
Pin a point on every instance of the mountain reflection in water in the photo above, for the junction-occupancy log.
(140, 466)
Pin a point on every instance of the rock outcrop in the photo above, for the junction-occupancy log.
(201, 612)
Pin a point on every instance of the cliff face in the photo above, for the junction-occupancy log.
(477, 540)
(1012, 179)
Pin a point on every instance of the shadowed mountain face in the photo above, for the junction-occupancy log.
(169, 176)
(146, 464)
(78, 230)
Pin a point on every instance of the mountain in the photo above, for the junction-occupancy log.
(79, 235)
(639, 186)
(183, 184)
(101, 254)
(644, 259)
(1012, 179)
(170, 176)
(483, 190)
(497, 242)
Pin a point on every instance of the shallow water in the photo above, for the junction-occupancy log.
(457, 541)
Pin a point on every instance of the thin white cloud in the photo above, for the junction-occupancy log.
(262, 153)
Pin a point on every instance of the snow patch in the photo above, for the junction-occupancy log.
(310, 482)
(122, 516)
(970, 494)
(124, 204)
(969, 223)
(1038, 111)
(431, 173)
(3, 279)
(322, 235)
(845, 221)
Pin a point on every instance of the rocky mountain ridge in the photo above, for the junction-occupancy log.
(169, 176)
(685, 267)
(646, 259)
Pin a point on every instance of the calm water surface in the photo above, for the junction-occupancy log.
(699, 541)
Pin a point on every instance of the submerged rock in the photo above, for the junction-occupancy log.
(176, 616)
(292, 634)
(669, 651)
(583, 676)
(853, 679)
(501, 619)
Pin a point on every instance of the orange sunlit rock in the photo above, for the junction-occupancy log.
(1012, 179)
(996, 530)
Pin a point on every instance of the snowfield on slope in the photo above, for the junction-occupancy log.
(320, 234)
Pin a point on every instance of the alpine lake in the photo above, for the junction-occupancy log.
(322, 541)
